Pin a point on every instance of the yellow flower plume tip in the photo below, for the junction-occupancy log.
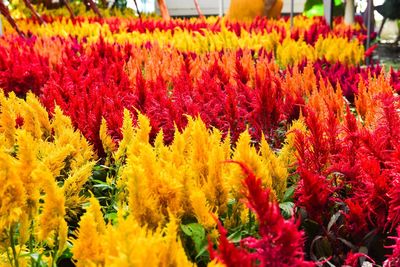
(89, 247)
(52, 225)
(107, 141)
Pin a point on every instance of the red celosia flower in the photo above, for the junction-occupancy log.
(314, 147)
(394, 259)
(267, 105)
(19, 121)
(370, 50)
(23, 70)
(356, 221)
(373, 193)
(313, 194)
(228, 253)
(393, 218)
(352, 259)
(280, 242)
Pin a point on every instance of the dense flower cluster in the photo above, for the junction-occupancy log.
(197, 141)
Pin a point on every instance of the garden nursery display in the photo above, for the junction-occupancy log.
(196, 142)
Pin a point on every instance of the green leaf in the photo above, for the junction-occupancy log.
(287, 209)
(236, 236)
(203, 252)
(288, 197)
(231, 201)
(316, 8)
(197, 232)
(36, 257)
(102, 186)
(100, 174)
(112, 216)
(347, 243)
(320, 247)
(334, 219)
(327, 262)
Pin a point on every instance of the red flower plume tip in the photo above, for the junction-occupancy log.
(352, 259)
(394, 259)
(313, 193)
(370, 50)
(228, 253)
(280, 243)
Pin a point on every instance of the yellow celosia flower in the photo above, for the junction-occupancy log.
(292, 52)
(12, 192)
(51, 224)
(351, 52)
(108, 144)
(27, 159)
(278, 170)
(31, 120)
(202, 209)
(199, 149)
(142, 201)
(215, 263)
(40, 111)
(73, 187)
(287, 155)
(191, 176)
(89, 246)
(248, 154)
(32, 201)
(65, 135)
(128, 244)
(127, 133)
(57, 159)
(216, 188)
(7, 121)
(288, 52)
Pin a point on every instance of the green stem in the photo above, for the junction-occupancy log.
(9, 257)
(250, 222)
(55, 254)
(31, 245)
(12, 242)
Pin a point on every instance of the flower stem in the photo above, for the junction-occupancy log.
(31, 246)
(16, 263)
(55, 254)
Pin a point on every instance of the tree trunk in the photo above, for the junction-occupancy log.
(33, 11)
(349, 12)
(137, 9)
(196, 3)
(94, 7)
(164, 9)
(6, 13)
(71, 13)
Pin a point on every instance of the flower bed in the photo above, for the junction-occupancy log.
(131, 142)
